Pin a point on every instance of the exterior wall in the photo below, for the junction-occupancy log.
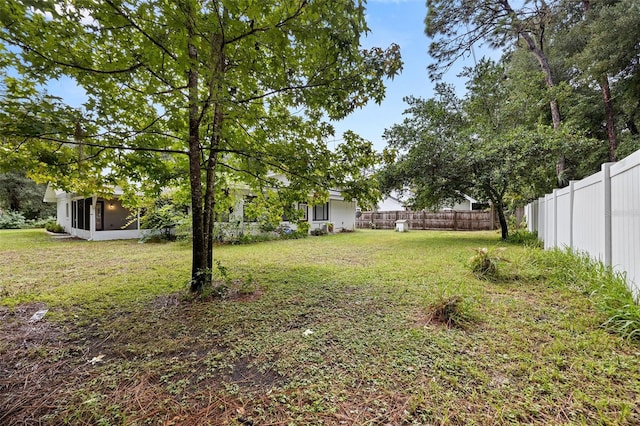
(390, 204)
(599, 215)
(463, 206)
(124, 234)
(342, 214)
(63, 212)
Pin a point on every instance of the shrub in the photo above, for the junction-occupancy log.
(12, 220)
(318, 232)
(524, 237)
(303, 227)
(162, 219)
(54, 227)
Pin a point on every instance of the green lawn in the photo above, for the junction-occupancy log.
(337, 331)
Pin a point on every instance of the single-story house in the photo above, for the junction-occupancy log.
(397, 201)
(96, 218)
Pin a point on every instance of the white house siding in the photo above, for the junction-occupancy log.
(599, 215)
(63, 211)
(390, 204)
(342, 214)
(463, 206)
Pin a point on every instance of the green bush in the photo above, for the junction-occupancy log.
(303, 227)
(54, 227)
(12, 220)
(318, 232)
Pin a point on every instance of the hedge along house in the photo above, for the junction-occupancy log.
(337, 213)
(94, 218)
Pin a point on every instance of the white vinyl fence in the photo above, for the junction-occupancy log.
(599, 215)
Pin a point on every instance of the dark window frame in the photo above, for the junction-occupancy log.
(321, 212)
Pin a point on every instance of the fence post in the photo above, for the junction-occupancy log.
(455, 224)
(555, 217)
(571, 192)
(606, 183)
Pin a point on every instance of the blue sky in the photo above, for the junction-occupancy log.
(390, 21)
(401, 22)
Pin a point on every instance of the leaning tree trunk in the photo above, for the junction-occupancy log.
(610, 120)
(608, 105)
(504, 229)
(553, 103)
(542, 59)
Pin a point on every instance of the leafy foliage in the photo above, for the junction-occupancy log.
(477, 146)
(21, 194)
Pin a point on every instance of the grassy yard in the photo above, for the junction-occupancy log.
(323, 330)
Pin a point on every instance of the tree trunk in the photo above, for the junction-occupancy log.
(610, 120)
(608, 105)
(215, 89)
(200, 275)
(503, 220)
(542, 59)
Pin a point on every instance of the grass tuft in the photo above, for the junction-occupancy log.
(484, 263)
(453, 311)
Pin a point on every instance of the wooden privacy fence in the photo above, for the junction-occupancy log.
(451, 220)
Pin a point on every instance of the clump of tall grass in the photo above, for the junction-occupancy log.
(484, 263)
(606, 288)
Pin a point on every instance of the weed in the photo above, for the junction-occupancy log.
(525, 238)
(484, 263)
(455, 311)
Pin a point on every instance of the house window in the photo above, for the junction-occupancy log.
(84, 214)
(246, 217)
(99, 215)
(321, 212)
(74, 214)
(80, 204)
(305, 211)
(67, 208)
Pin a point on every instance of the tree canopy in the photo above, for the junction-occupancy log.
(192, 93)
(478, 145)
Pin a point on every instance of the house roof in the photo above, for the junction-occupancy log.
(51, 195)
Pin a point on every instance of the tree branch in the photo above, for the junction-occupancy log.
(143, 32)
